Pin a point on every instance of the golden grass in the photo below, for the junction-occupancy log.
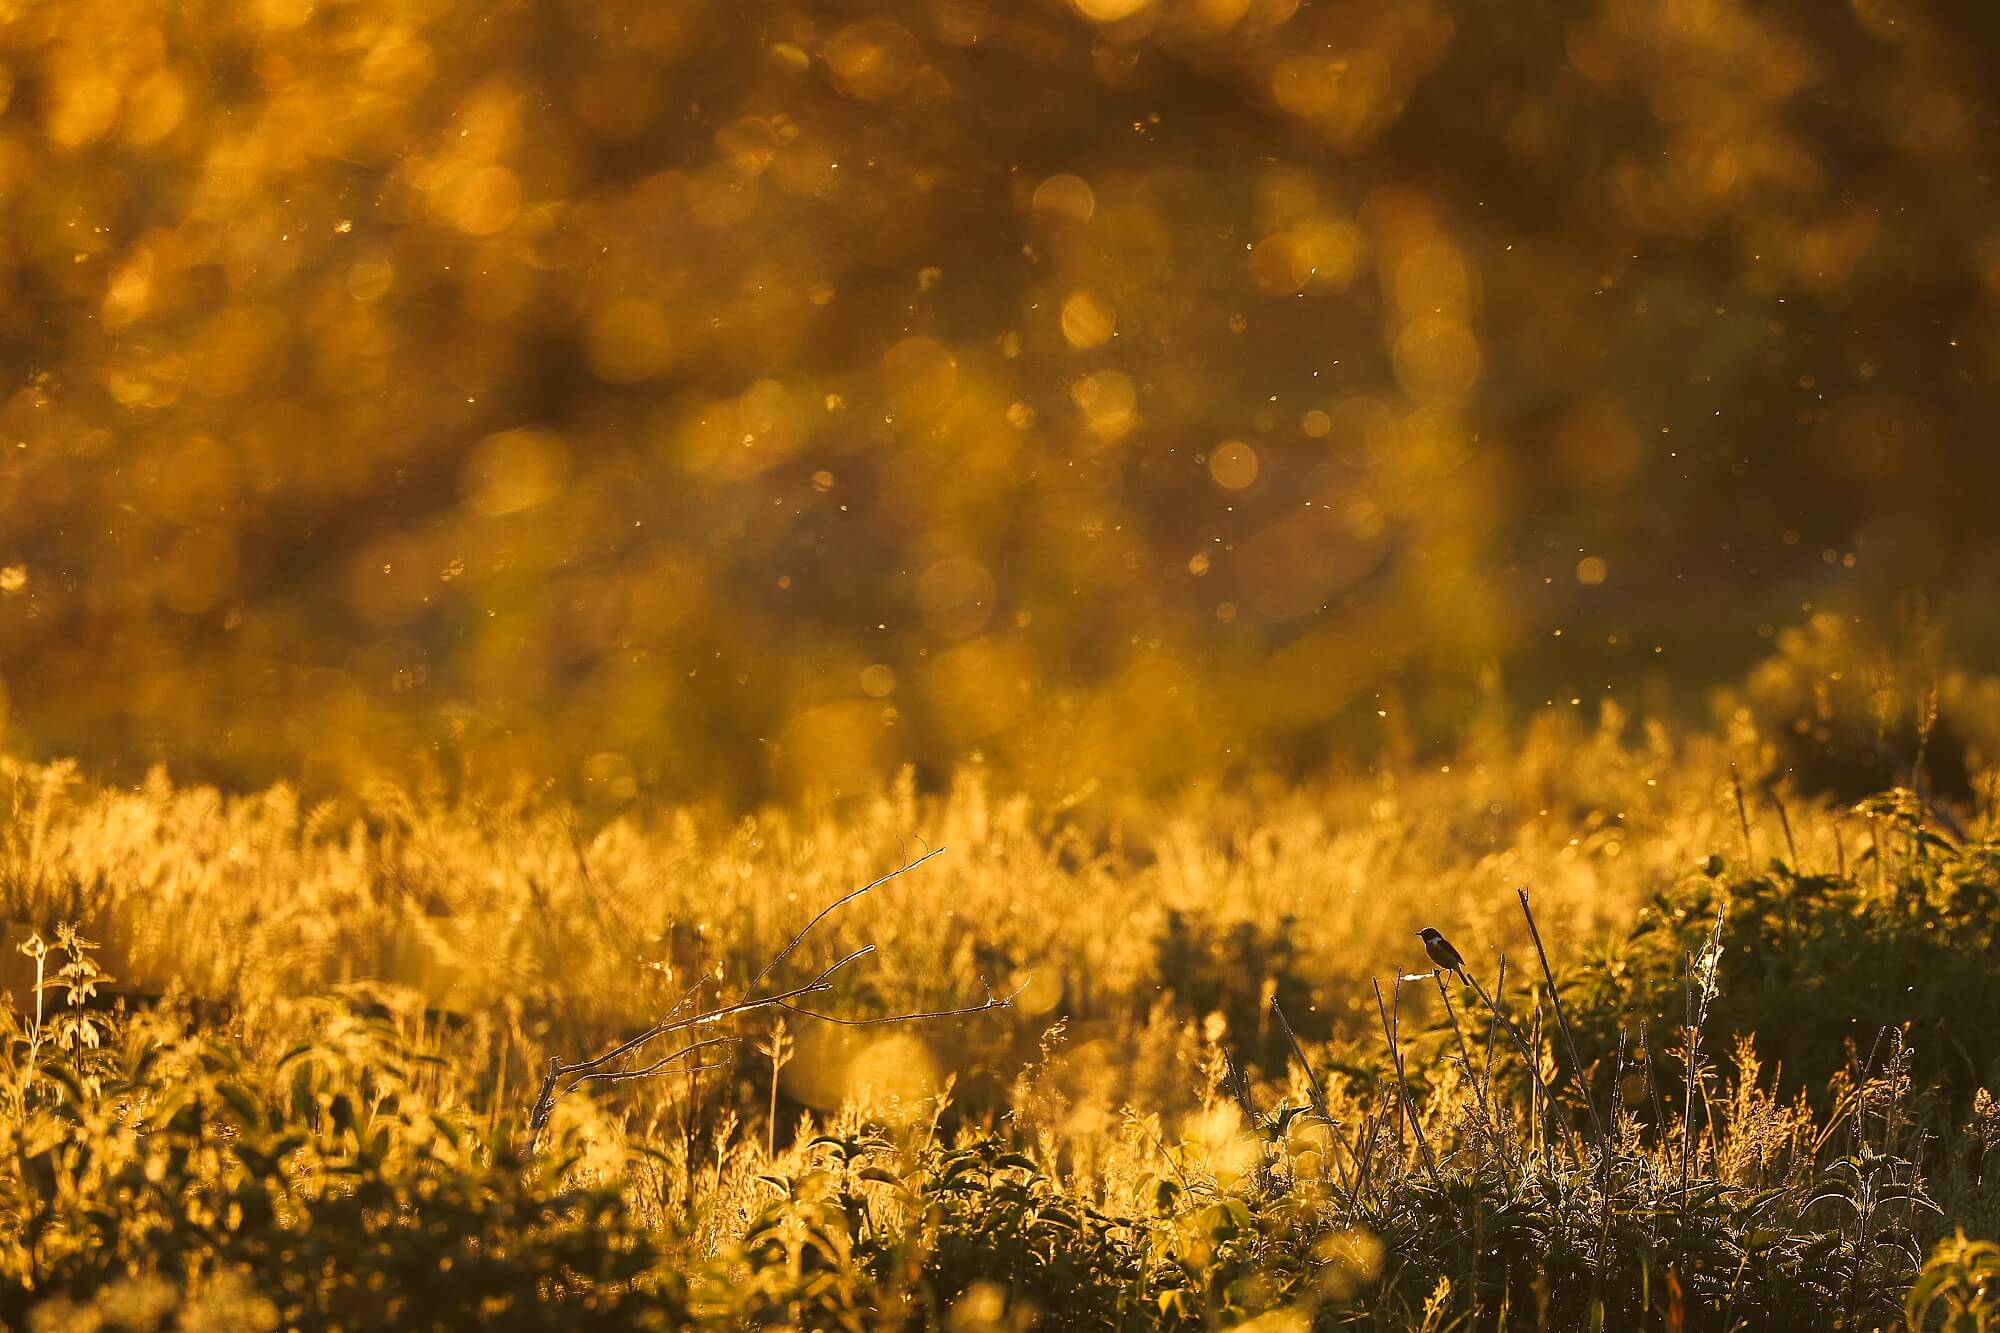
(479, 906)
(433, 953)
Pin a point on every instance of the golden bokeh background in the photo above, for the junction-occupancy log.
(728, 396)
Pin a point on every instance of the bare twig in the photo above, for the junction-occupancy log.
(557, 1070)
(993, 1002)
(665, 1026)
(629, 1075)
(596, 1068)
(835, 906)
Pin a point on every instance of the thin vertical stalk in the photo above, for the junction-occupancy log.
(1598, 1268)
(1492, 1029)
(1562, 1021)
(1403, 1083)
(1690, 1058)
(1743, 818)
(1652, 1082)
(1531, 1054)
(1465, 1062)
(689, 1130)
(1785, 823)
(1927, 713)
(1238, 1088)
(1538, 1098)
(1700, 987)
(1876, 850)
(1659, 1111)
(1319, 1102)
(1367, 1163)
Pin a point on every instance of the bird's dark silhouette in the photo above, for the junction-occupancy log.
(1441, 952)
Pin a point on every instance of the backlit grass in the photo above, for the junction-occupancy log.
(280, 1071)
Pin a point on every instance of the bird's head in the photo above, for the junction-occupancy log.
(1429, 933)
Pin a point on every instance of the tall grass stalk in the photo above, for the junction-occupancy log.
(1390, 1035)
(1562, 1022)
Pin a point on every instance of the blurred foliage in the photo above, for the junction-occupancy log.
(1237, 973)
(748, 396)
(1960, 1285)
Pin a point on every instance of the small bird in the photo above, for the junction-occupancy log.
(1441, 952)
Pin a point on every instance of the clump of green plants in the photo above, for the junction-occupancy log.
(158, 1177)
(1897, 936)
(1501, 1191)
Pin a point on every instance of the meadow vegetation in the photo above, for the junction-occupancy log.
(276, 1064)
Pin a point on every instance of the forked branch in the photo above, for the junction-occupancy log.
(599, 1068)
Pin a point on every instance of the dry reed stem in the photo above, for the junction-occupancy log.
(1531, 1057)
(1389, 1034)
(1493, 1031)
(1743, 818)
(1604, 1183)
(1486, 1126)
(1562, 1021)
(1785, 824)
(1698, 994)
(1319, 1102)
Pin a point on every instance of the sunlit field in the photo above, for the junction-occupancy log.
(957, 666)
(298, 1070)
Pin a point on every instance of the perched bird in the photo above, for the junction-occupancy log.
(1441, 952)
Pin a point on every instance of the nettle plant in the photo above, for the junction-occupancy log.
(70, 1036)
